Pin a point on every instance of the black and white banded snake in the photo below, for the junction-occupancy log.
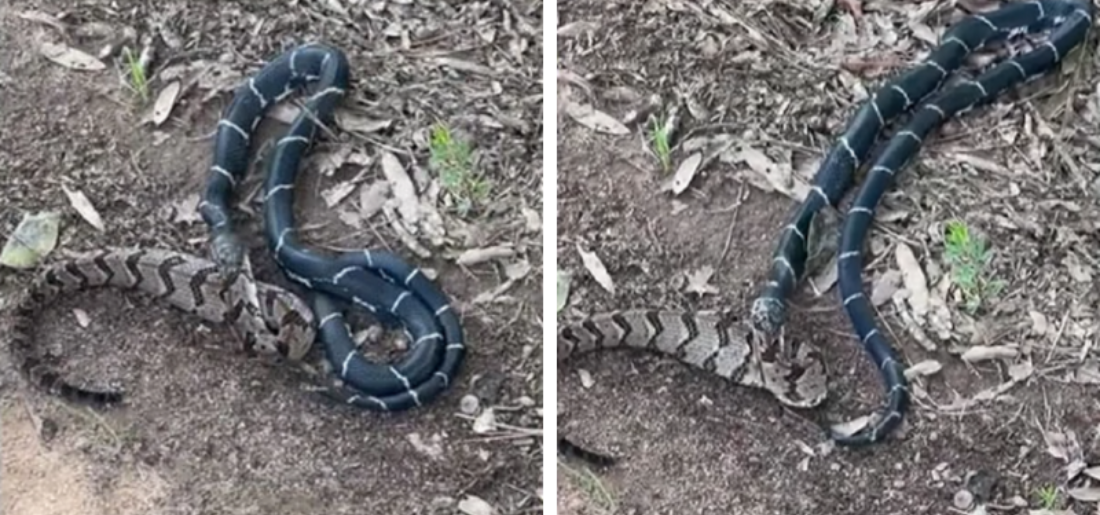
(381, 282)
(1068, 22)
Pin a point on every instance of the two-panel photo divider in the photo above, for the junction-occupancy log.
(583, 258)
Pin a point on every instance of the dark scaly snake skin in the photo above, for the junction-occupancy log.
(1068, 20)
(715, 342)
(280, 323)
(394, 291)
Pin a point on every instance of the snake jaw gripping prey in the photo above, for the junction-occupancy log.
(382, 283)
(1068, 22)
(283, 326)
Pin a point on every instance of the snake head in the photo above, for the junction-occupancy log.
(767, 315)
(227, 252)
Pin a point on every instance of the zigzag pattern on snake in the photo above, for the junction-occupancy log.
(275, 322)
(1068, 22)
(381, 282)
(716, 342)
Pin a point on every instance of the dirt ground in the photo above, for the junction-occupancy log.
(205, 429)
(782, 78)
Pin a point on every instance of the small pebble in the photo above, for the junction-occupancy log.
(469, 404)
(963, 499)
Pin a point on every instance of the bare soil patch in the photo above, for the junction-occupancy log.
(782, 79)
(205, 429)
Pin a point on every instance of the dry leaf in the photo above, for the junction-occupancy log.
(82, 317)
(1085, 494)
(595, 267)
(851, 427)
(70, 57)
(433, 449)
(686, 172)
(485, 422)
(372, 198)
(912, 276)
(84, 207)
(338, 192)
(594, 119)
(481, 255)
(699, 279)
(984, 353)
(404, 191)
(924, 368)
(166, 100)
(586, 378)
(475, 506)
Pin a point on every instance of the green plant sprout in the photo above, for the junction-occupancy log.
(452, 159)
(968, 258)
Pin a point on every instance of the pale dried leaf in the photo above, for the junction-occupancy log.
(166, 100)
(432, 449)
(595, 267)
(82, 317)
(913, 277)
(698, 281)
(70, 57)
(404, 191)
(1039, 323)
(372, 198)
(767, 169)
(337, 192)
(1085, 493)
(352, 122)
(1093, 472)
(1020, 371)
(686, 172)
(481, 255)
(475, 506)
(595, 119)
(923, 369)
(979, 353)
(533, 223)
(1088, 373)
(885, 286)
(853, 426)
(84, 207)
(465, 66)
(564, 280)
(485, 422)
(1063, 446)
(586, 378)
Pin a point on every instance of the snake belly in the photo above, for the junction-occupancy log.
(1068, 20)
(395, 292)
(715, 342)
(281, 324)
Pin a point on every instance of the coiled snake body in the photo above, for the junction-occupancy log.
(394, 291)
(1069, 21)
(696, 338)
(381, 282)
(274, 322)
